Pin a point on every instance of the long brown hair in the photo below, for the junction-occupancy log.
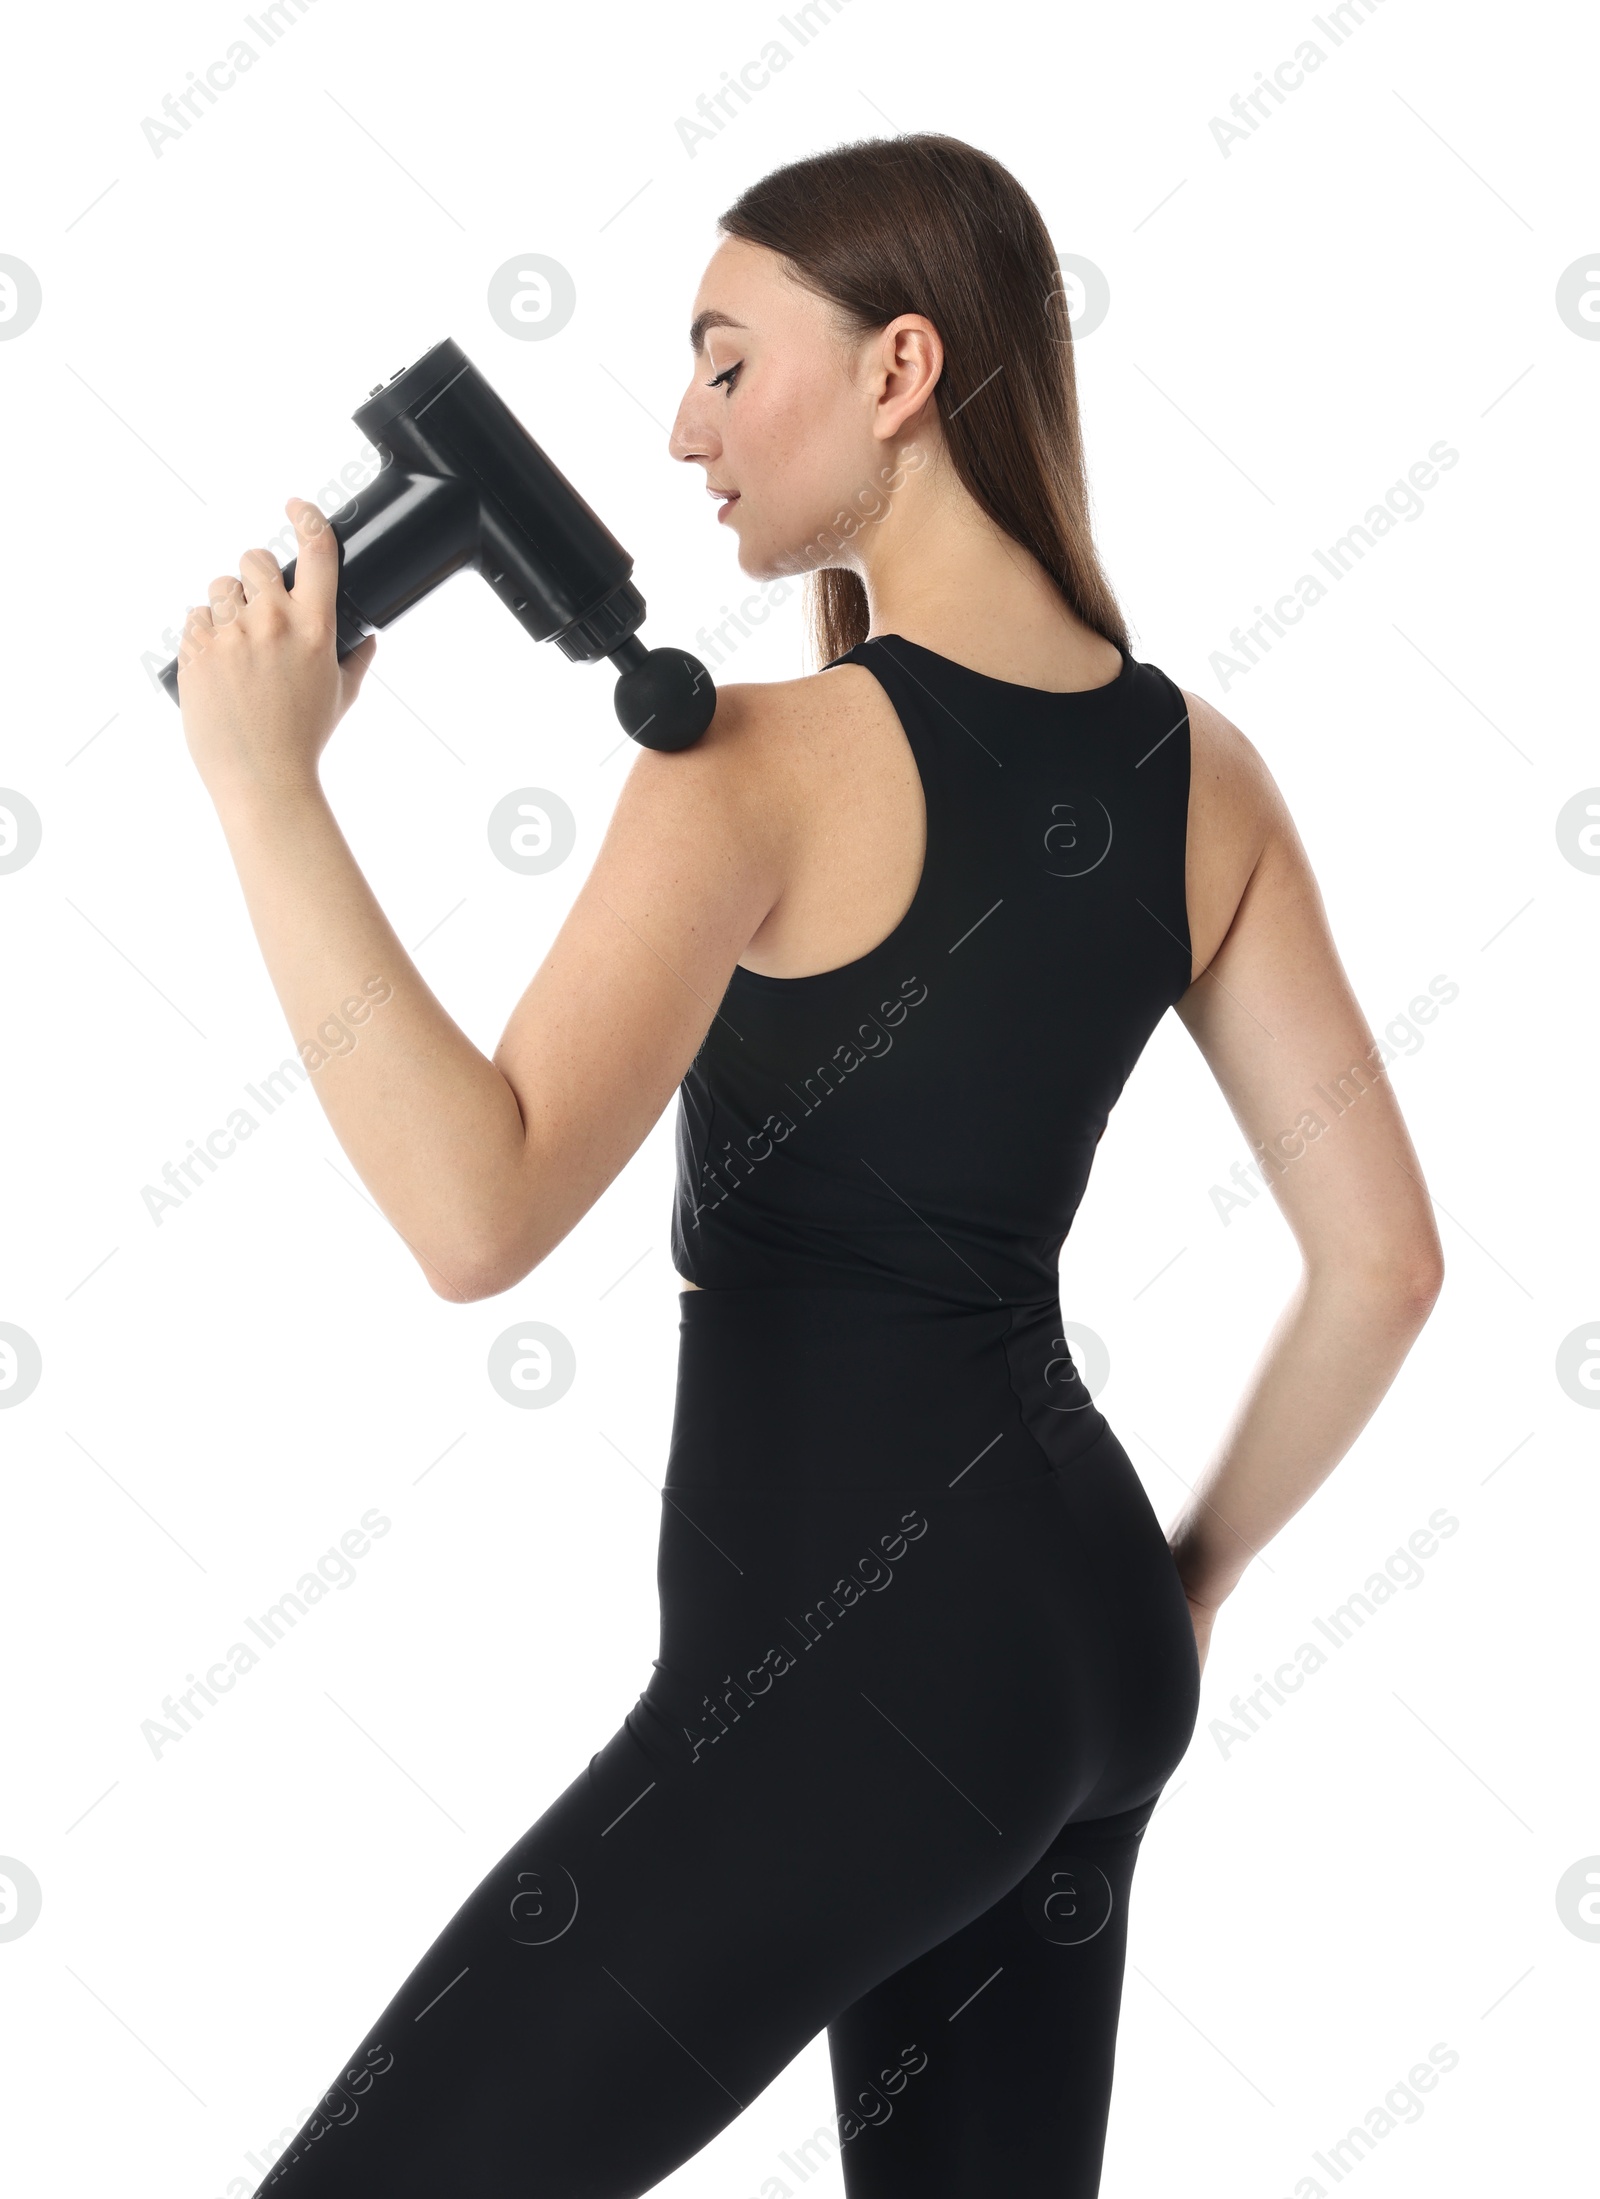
(927, 224)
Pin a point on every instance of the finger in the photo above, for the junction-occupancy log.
(227, 599)
(316, 570)
(195, 632)
(259, 570)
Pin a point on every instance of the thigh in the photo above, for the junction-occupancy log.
(986, 2063)
(602, 2004)
(871, 1711)
(770, 1832)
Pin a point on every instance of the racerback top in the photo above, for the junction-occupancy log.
(924, 1118)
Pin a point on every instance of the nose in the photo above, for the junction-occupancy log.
(692, 436)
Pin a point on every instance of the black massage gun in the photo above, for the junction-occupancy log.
(462, 482)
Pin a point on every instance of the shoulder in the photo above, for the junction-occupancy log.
(1245, 865)
(764, 724)
(1231, 789)
(757, 756)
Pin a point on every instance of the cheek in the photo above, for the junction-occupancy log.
(791, 459)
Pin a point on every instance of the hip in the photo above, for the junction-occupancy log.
(904, 1501)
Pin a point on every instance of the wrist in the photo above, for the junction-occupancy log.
(1206, 1584)
(249, 797)
(1209, 1600)
(1207, 1595)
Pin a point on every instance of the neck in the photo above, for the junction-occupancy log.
(937, 570)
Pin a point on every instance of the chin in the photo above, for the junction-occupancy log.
(757, 561)
(766, 560)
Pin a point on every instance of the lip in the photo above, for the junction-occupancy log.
(729, 497)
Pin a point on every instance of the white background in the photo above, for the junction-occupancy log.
(1292, 325)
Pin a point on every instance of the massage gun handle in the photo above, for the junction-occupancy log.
(352, 629)
(398, 538)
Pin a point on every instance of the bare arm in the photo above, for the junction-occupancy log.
(1275, 1018)
(482, 1166)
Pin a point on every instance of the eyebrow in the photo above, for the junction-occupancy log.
(710, 319)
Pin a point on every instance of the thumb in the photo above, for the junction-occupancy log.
(316, 572)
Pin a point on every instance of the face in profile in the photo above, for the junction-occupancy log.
(797, 420)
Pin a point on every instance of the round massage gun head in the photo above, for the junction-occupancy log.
(665, 698)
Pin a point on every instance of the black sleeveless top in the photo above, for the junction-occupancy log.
(924, 1118)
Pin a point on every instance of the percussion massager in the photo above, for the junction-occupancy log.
(463, 483)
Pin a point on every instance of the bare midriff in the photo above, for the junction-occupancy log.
(682, 1285)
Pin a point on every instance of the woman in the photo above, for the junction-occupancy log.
(899, 931)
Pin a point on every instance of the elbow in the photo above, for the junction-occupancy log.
(1427, 1282)
(1407, 1277)
(464, 1288)
(1418, 1285)
(457, 1288)
(474, 1274)
(1418, 1270)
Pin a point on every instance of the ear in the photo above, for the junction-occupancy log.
(911, 360)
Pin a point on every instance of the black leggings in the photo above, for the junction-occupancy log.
(925, 1665)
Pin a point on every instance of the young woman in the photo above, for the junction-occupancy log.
(896, 933)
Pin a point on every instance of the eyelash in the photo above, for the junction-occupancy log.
(717, 379)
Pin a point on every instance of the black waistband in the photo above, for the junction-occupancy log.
(811, 1389)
